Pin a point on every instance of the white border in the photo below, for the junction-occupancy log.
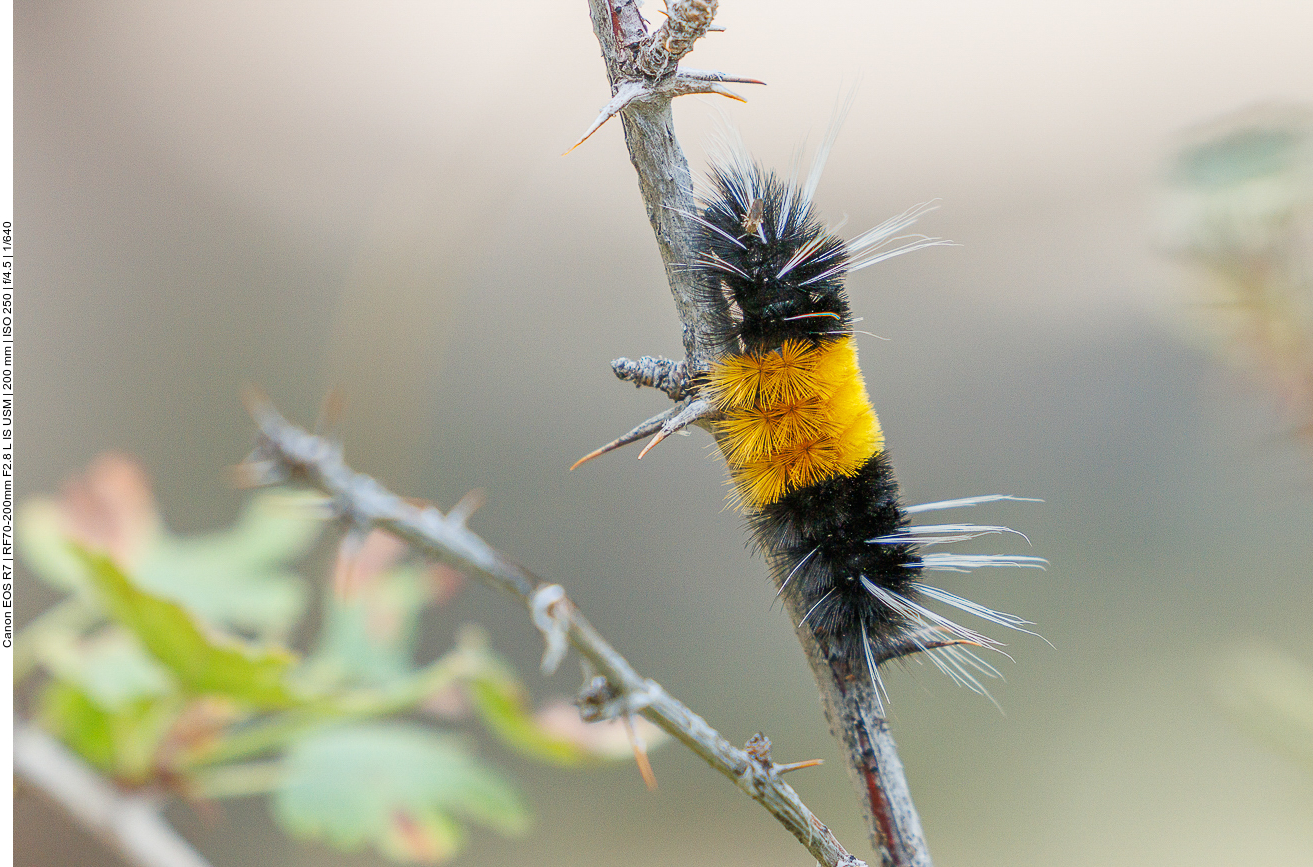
(7, 557)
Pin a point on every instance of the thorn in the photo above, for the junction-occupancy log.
(683, 83)
(640, 753)
(725, 91)
(625, 94)
(256, 471)
(255, 400)
(331, 410)
(468, 505)
(660, 435)
(712, 75)
(924, 639)
(798, 766)
(693, 411)
(595, 453)
(645, 429)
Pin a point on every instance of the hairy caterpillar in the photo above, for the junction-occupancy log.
(802, 441)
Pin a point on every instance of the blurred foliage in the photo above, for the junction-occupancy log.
(396, 786)
(1270, 694)
(167, 666)
(1239, 208)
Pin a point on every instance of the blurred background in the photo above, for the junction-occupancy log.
(371, 196)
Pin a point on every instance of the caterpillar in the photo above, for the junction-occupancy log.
(804, 446)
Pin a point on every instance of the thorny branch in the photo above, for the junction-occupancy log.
(643, 104)
(286, 453)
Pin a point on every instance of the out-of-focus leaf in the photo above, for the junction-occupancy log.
(1242, 154)
(54, 629)
(109, 507)
(1270, 693)
(1238, 208)
(502, 704)
(201, 662)
(1236, 187)
(359, 564)
(110, 667)
(425, 839)
(76, 720)
(239, 577)
(123, 743)
(236, 780)
(369, 636)
(43, 542)
(607, 739)
(396, 787)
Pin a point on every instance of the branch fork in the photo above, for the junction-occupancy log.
(647, 65)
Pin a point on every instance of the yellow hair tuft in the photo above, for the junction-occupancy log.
(793, 417)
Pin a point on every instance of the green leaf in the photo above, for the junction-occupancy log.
(1241, 155)
(68, 714)
(370, 637)
(239, 577)
(503, 705)
(123, 743)
(110, 667)
(396, 787)
(39, 528)
(202, 662)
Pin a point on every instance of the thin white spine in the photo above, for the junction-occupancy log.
(1011, 621)
(714, 228)
(802, 254)
(949, 660)
(889, 228)
(964, 502)
(812, 610)
(917, 613)
(795, 569)
(921, 242)
(877, 684)
(786, 205)
(823, 152)
(967, 562)
(938, 534)
(719, 264)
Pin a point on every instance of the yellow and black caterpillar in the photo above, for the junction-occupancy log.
(803, 444)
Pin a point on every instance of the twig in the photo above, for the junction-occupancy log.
(659, 373)
(129, 824)
(286, 453)
(663, 178)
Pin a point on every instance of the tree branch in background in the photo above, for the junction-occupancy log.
(131, 825)
(286, 453)
(663, 179)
